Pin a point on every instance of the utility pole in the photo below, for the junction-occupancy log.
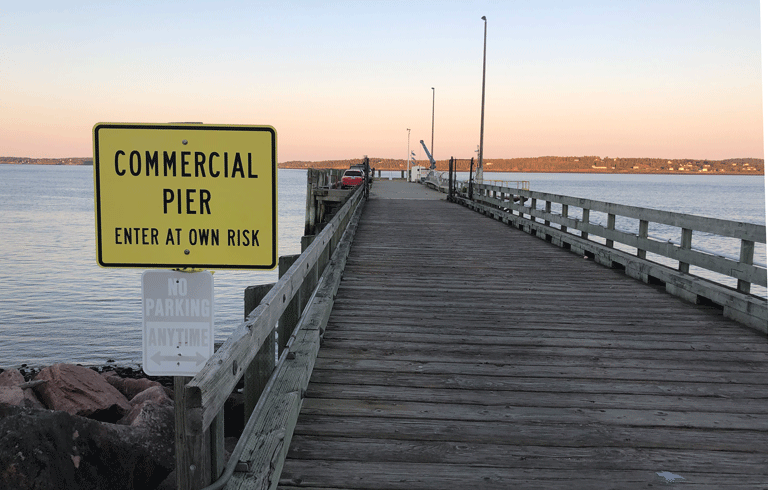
(482, 108)
(432, 146)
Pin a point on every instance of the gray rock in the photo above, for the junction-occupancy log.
(47, 450)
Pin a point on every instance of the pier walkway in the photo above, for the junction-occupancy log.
(465, 353)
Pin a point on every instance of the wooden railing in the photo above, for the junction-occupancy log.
(602, 242)
(297, 308)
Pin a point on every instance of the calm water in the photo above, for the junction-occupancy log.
(57, 305)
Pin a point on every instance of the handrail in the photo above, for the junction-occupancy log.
(519, 207)
(234, 458)
(516, 184)
(205, 394)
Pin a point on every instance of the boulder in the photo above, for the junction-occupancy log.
(12, 396)
(150, 413)
(129, 387)
(14, 391)
(80, 391)
(156, 394)
(47, 450)
(11, 377)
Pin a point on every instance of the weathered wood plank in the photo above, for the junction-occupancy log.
(427, 476)
(503, 398)
(497, 375)
(555, 435)
(627, 417)
(468, 352)
(559, 458)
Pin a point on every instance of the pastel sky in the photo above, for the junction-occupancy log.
(343, 79)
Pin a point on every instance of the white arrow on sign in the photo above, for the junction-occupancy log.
(198, 358)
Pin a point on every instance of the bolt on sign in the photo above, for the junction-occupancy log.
(185, 196)
(177, 318)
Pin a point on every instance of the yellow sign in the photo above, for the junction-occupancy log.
(185, 195)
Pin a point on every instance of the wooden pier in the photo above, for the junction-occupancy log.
(483, 342)
(465, 353)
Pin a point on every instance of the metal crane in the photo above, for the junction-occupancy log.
(432, 164)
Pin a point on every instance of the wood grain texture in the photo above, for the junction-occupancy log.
(464, 353)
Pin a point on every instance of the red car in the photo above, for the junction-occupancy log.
(351, 178)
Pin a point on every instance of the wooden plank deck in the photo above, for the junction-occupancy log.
(462, 353)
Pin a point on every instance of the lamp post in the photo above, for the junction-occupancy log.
(432, 146)
(482, 107)
(408, 157)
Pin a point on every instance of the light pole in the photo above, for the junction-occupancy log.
(482, 108)
(432, 146)
(408, 157)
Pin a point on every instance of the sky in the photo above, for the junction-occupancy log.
(339, 80)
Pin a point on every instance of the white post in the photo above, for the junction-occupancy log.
(408, 157)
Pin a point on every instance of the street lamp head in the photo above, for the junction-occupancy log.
(483, 17)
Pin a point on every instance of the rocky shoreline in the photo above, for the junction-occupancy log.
(70, 426)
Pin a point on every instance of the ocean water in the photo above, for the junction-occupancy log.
(58, 305)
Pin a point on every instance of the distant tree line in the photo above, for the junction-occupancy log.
(47, 161)
(560, 164)
(589, 163)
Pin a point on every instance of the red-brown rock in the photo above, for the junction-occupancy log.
(11, 377)
(12, 396)
(80, 391)
(156, 394)
(14, 393)
(128, 386)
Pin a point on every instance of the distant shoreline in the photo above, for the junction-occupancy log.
(580, 165)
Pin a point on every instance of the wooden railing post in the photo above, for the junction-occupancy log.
(610, 225)
(292, 312)
(585, 221)
(746, 256)
(686, 237)
(193, 469)
(310, 214)
(548, 210)
(565, 215)
(643, 234)
(256, 375)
